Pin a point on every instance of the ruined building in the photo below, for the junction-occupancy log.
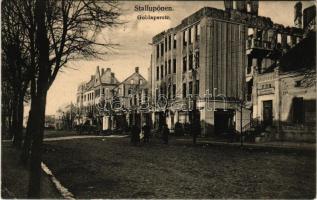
(213, 53)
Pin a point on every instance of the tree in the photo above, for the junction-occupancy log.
(66, 30)
(15, 71)
(44, 36)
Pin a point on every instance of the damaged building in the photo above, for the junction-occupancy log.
(213, 59)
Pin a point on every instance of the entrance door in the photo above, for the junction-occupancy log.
(223, 122)
(267, 113)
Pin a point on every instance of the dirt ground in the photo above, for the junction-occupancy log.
(112, 168)
(15, 180)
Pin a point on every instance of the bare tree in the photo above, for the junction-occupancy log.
(15, 71)
(66, 30)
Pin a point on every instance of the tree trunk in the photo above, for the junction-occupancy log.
(37, 124)
(28, 135)
(38, 116)
(19, 121)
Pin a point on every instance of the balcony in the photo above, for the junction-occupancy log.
(258, 48)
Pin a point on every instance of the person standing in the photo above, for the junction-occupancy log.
(135, 135)
(165, 133)
(146, 133)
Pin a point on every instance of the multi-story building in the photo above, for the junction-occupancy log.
(210, 54)
(284, 94)
(117, 103)
(89, 93)
(129, 95)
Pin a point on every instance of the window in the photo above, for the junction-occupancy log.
(174, 91)
(197, 87)
(288, 39)
(190, 88)
(279, 38)
(97, 93)
(190, 39)
(174, 42)
(197, 32)
(132, 81)
(174, 65)
(165, 44)
(103, 91)
(184, 63)
(185, 38)
(157, 73)
(169, 92)
(169, 66)
(157, 51)
(141, 82)
(162, 71)
(197, 59)
(162, 49)
(169, 42)
(190, 61)
(297, 83)
(165, 68)
(184, 90)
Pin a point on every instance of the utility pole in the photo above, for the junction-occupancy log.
(241, 131)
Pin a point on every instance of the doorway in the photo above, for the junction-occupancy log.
(267, 113)
(224, 122)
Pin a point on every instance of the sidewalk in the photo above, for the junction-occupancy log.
(14, 180)
(267, 145)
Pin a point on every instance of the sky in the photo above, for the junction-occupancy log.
(134, 38)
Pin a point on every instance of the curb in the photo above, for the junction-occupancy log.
(63, 190)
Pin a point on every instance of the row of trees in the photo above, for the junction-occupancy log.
(39, 37)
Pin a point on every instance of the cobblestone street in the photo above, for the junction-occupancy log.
(112, 168)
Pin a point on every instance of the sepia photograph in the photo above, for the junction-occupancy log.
(114, 99)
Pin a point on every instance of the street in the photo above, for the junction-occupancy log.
(112, 168)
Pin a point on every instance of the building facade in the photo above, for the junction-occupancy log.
(208, 59)
(89, 94)
(112, 104)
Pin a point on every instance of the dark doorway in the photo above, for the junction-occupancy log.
(298, 110)
(224, 122)
(267, 113)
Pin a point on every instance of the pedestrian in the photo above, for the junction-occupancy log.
(165, 133)
(135, 135)
(146, 133)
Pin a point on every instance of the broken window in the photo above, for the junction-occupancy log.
(157, 73)
(174, 65)
(185, 39)
(184, 63)
(174, 43)
(190, 61)
(184, 90)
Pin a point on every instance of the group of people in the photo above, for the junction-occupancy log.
(146, 131)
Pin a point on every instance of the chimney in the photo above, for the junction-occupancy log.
(228, 5)
(254, 7)
(241, 6)
(112, 78)
(102, 71)
(136, 69)
(298, 15)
